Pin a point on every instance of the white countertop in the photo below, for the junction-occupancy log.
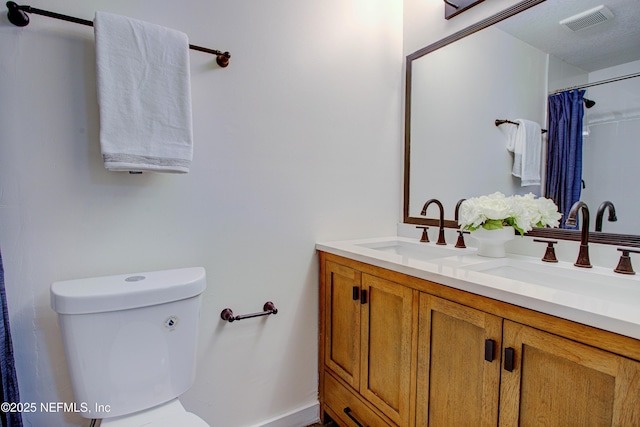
(596, 296)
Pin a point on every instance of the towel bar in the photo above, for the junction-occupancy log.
(18, 17)
(227, 313)
(502, 121)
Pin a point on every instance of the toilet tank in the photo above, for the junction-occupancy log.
(130, 340)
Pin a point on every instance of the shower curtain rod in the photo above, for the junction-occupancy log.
(18, 17)
(601, 82)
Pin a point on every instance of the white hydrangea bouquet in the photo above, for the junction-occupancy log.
(497, 210)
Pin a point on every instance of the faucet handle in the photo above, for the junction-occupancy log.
(550, 254)
(425, 236)
(460, 242)
(624, 265)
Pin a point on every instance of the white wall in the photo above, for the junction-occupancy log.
(563, 75)
(298, 140)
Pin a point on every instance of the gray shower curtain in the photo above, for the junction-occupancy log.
(10, 393)
(564, 156)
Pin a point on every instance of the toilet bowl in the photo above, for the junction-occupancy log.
(130, 343)
(170, 414)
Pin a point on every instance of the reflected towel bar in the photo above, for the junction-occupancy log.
(501, 122)
(18, 17)
(227, 313)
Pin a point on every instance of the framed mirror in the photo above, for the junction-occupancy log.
(500, 68)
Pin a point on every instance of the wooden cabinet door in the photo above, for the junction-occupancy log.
(342, 322)
(387, 346)
(458, 365)
(553, 381)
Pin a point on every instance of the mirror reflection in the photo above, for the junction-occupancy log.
(507, 72)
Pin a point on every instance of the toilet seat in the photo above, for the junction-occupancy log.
(170, 414)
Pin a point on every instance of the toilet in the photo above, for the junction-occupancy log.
(130, 342)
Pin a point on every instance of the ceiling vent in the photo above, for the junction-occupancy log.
(587, 19)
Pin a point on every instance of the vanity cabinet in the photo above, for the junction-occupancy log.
(369, 341)
(545, 379)
(401, 351)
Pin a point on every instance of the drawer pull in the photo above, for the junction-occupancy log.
(489, 350)
(509, 356)
(347, 411)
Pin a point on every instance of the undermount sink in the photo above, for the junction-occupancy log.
(415, 250)
(562, 276)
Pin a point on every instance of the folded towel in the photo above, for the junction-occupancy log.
(525, 142)
(144, 93)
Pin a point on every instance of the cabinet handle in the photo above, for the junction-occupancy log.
(347, 411)
(356, 293)
(489, 349)
(509, 356)
(363, 296)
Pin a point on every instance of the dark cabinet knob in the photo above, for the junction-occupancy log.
(509, 359)
(489, 350)
(363, 296)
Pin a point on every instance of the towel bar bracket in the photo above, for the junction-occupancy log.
(18, 16)
(227, 313)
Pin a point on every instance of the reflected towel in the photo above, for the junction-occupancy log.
(144, 92)
(525, 141)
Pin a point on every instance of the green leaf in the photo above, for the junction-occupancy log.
(512, 222)
(492, 224)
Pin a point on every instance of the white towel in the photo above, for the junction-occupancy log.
(525, 141)
(144, 92)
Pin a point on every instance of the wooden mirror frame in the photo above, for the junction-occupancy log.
(628, 240)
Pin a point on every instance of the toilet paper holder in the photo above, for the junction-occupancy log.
(227, 313)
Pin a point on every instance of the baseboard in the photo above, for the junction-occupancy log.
(297, 418)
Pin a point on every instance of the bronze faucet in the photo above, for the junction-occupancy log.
(460, 242)
(441, 240)
(583, 254)
(600, 213)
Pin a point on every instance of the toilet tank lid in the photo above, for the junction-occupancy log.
(126, 291)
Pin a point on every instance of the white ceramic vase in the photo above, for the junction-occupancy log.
(491, 242)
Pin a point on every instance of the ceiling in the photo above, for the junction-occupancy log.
(610, 43)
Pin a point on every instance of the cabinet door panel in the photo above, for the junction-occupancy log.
(457, 386)
(556, 381)
(342, 323)
(387, 331)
